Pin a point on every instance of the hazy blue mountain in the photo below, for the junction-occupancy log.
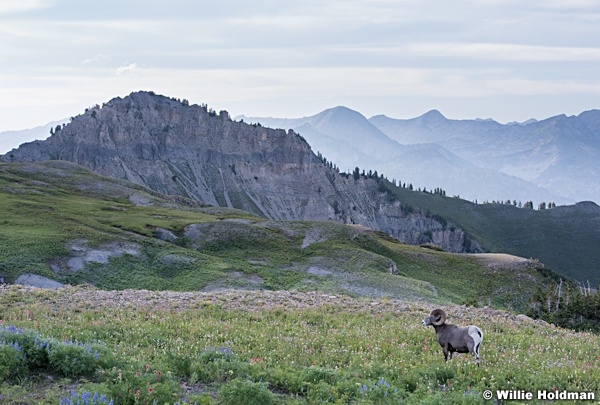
(12, 139)
(560, 154)
(413, 156)
(326, 130)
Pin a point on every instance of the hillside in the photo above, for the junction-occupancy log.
(563, 238)
(175, 148)
(179, 149)
(117, 235)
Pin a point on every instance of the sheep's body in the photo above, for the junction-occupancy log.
(453, 338)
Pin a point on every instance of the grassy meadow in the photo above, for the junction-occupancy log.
(269, 347)
(171, 302)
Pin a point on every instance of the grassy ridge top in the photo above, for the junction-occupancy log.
(71, 225)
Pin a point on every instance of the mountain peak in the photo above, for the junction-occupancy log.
(433, 117)
(341, 112)
(146, 99)
(341, 108)
(339, 115)
(433, 114)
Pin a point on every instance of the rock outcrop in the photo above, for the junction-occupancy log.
(34, 280)
(175, 148)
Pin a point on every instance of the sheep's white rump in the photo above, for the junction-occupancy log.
(477, 336)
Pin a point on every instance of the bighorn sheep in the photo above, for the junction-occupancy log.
(452, 338)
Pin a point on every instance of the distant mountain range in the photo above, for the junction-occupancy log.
(541, 161)
(552, 160)
(12, 139)
(175, 148)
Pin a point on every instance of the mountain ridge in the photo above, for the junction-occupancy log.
(550, 171)
(418, 162)
(558, 153)
(175, 148)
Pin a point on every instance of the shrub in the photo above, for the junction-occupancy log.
(322, 392)
(12, 362)
(218, 365)
(34, 352)
(245, 392)
(380, 392)
(318, 374)
(140, 385)
(180, 364)
(73, 359)
(34, 347)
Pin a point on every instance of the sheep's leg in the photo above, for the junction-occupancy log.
(445, 350)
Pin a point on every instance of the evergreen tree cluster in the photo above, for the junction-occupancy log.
(528, 204)
(328, 163)
(357, 174)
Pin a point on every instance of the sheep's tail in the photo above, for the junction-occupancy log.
(477, 336)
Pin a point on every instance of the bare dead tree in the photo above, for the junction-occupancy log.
(559, 288)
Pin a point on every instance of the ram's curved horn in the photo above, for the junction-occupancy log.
(438, 314)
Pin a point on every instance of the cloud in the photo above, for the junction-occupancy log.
(21, 6)
(127, 70)
(571, 4)
(96, 58)
(227, 85)
(507, 52)
(290, 58)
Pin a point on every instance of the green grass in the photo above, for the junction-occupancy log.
(56, 209)
(563, 238)
(330, 330)
(301, 351)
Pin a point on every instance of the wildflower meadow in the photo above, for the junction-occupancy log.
(259, 348)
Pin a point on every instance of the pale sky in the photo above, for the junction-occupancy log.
(501, 59)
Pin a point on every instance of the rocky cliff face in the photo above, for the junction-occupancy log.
(174, 148)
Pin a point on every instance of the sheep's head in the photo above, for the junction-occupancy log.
(436, 317)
